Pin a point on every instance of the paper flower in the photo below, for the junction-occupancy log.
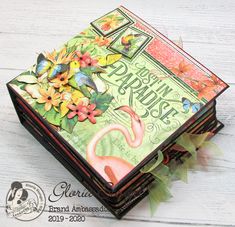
(77, 110)
(91, 112)
(60, 57)
(84, 112)
(83, 59)
(49, 97)
(61, 80)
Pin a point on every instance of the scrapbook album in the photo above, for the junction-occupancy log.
(112, 97)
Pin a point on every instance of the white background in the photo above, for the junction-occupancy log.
(208, 32)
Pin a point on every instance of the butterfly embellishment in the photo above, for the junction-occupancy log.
(45, 65)
(187, 105)
(109, 59)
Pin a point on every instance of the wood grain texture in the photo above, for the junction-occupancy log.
(208, 32)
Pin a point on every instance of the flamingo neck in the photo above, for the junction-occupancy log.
(91, 148)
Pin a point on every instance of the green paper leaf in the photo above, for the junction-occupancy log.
(33, 90)
(212, 146)
(29, 72)
(152, 204)
(158, 193)
(175, 170)
(102, 100)
(151, 166)
(27, 79)
(181, 172)
(199, 139)
(40, 107)
(191, 161)
(162, 173)
(20, 85)
(185, 141)
(53, 117)
(68, 124)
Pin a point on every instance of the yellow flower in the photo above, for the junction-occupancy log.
(76, 96)
(69, 98)
(49, 97)
(63, 108)
(61, 80)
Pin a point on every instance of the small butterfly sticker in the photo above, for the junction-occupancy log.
(187, 105)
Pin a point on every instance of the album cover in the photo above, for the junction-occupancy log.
(116, 93)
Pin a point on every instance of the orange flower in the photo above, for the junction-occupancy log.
(181, 69)
(109, 22)
(102, 41)
(203, 90)
(213, 82)
(49, 97)
(61, 79)
(207, 88)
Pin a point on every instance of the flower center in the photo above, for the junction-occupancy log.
(77, 111)
(62, 79)
(88, 113)
(81, 58)
(89, 64)
(49, 97)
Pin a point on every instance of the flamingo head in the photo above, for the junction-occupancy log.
(136, 121)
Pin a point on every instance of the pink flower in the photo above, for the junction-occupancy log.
(85, 59)
(82, 58)
(84, 112)
(91, 62)
(77, 110)
(92, 113)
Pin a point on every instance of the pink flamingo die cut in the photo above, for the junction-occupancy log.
(112, 168)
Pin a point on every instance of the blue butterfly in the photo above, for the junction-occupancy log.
(45, 65)
(187, 104)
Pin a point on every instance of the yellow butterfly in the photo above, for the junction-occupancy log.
(109, 59)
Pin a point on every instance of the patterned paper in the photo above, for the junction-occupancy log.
(117, 91)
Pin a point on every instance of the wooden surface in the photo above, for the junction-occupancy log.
(208, 32)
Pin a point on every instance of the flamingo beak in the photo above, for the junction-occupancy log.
(128, 110)
(132, 113)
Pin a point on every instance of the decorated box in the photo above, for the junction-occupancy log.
(110, 99)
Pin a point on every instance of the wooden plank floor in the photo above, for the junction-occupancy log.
(208, 32)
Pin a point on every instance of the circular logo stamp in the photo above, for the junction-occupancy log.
(25, 201)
